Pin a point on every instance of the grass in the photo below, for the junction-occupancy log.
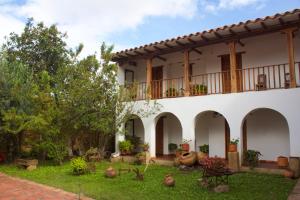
(242, 186)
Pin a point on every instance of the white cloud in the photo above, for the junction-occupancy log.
(91, 21)
(211, 6)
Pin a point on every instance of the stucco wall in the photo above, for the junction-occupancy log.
(267, 132)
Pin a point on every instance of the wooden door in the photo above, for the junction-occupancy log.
(227, 139)
(157, 76)
(226, 76)
(159, 130)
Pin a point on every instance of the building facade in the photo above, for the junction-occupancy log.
(237, 81)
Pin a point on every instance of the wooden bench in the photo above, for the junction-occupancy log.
(27, 164)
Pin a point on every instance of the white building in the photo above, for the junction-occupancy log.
(236, 81)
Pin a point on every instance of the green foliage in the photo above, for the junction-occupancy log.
(79, 166)
(126, 146)
(204, 148)
(234, 141)
(251, 158)
(172, 92)
(172, 146)
(199, 89)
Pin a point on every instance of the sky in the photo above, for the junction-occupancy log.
(130, 23)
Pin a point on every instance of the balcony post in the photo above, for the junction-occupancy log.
(186, 72)
(149, 77)
(291, 54)
(233, 78)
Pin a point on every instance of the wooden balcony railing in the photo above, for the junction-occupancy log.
(167, 88)
(264, 78)
(248, 79)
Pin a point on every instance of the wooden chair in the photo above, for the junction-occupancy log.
(261, 82)
(287, 80)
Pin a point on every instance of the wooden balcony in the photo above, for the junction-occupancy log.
(248, 79)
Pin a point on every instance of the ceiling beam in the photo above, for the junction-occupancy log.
(263, 25)
(157, 48)
(161, 58)
(240, 35)
(169, 46)
(139, 53)
(240, 43)
(196, 50)
(192, 41)
(180, 43)
(218, 35)
(147, 50)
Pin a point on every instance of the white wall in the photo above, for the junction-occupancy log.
(267, 132)
(210, 130)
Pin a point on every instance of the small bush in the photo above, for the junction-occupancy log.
(251, 158)
(204, 148)
(79, 166)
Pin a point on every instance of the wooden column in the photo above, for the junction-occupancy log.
(233, 63)
(290, 45)
(186, 72)
(149, 76)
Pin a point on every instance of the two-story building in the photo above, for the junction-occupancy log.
(236, 81)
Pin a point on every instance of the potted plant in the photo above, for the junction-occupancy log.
(145, 146)
(172, 92)
(233, 145)
(172, 147)
(140, 158)
(204, 150)
(251, 158)
(199, 89)
(125, 147)
(282, 162)
(185, 145)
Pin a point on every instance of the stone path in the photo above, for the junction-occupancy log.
(295, 195)
(18, 189)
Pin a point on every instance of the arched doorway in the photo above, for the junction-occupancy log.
(212, 128)
(168, 130)
(266, 130)
(134, 131)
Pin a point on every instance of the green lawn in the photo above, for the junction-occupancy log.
(243, 186)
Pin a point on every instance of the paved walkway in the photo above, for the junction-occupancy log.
(18, 189)
(295, 195)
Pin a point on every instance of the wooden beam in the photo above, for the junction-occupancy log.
(148, 51)
(149, 77)
(192, 41)
(233, 63)
(263, 25)
(204, 38)
(186, 73)
(247, 28)
(169, 46)
(218, 35)
(139, 53)
(232, 32)
(240, 43)
(291, 52)
(157, 48)
(242, 35)
(196, 50)
(180, 43)
(281, 21)
(161, 58)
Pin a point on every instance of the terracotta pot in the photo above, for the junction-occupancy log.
(288, 174)
(282, 162)
(201, 155)
(232, 148)
(185, 147)
(188, 159)
(169, 181)
(110, 172)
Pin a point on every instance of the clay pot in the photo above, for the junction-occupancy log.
(282, 162)
(169, 181)
(232, 148)
(201, 155)
(110, 172)
(185, 147)
(288, 174)
(188, 159)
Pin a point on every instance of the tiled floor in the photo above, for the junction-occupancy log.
(17, 189)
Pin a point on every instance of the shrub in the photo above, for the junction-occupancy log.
(140, 158)
(172, 147)
(204, 148)
(79, 166)
(251, 158)
(125, 146)
(214, 163)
